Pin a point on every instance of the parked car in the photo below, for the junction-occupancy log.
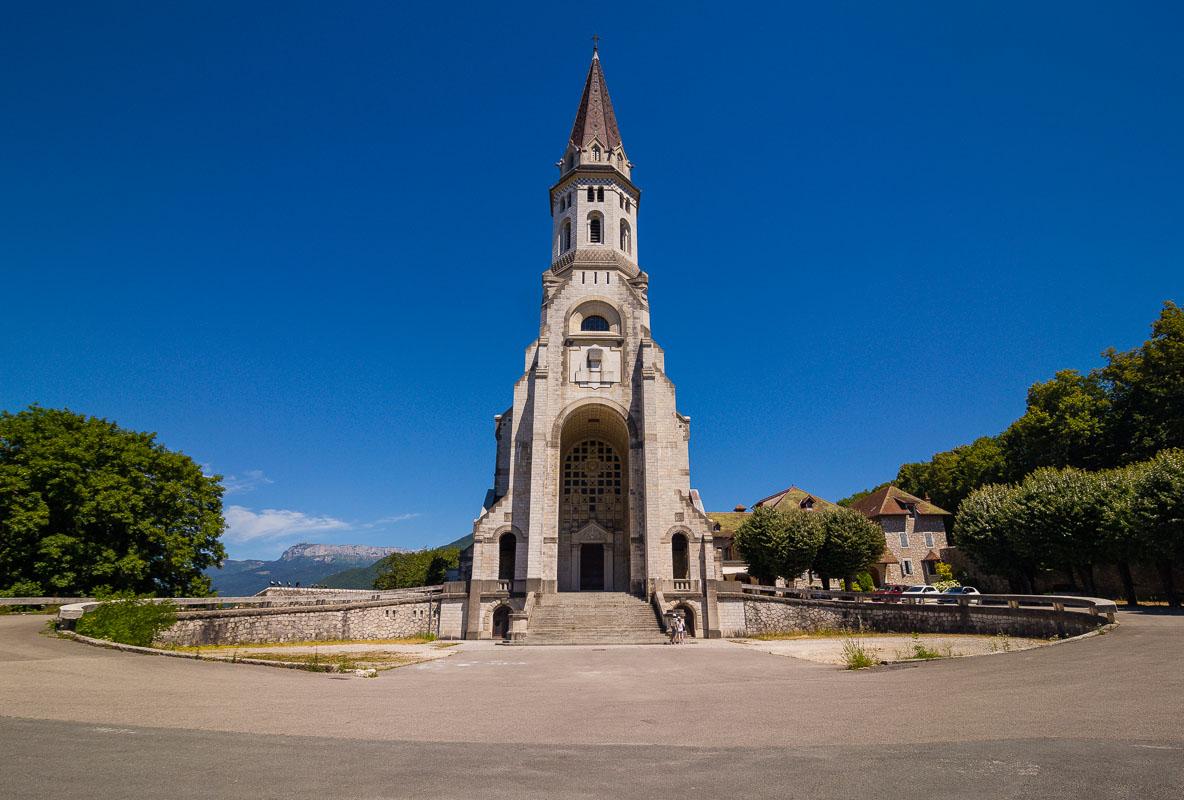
(920, 594)
(952, 594)
(888, 593)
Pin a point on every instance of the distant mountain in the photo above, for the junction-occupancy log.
(303, 563)
(363, 577)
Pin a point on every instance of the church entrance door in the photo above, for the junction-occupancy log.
(591, 568)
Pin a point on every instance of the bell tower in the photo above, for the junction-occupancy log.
(591, 487)
(594, 204)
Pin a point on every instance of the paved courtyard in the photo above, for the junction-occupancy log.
(1093, 718)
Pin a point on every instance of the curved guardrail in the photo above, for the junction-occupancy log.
(1092, 605)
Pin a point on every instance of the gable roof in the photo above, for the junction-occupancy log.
(595, 118)
(891, 501)
(728, 521)
(790, 498)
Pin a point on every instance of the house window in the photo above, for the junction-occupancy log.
(565, 237)
(930, 567)
(928, 539)
(904, 538)
(594, 323)
(626, 238)
(906, 567)
(595, 152)
(594, 232)
(628, 206)
(600, 194)
(591, 194)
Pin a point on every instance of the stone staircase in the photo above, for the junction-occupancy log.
(593, 618)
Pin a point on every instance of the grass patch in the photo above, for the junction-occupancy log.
(919, 651)
(856, 656)
(1000, 643)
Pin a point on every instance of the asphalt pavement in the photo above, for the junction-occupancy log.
(1101, 717)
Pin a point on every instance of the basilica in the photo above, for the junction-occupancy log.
(591, 505)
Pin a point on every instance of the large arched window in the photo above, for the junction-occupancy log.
(680, 556)
(594, 323)
(507, 547)
(595, 229)
(626, 238)
(565, 236)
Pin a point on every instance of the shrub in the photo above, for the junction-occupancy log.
(856, 656)
(864, 582)
(128, 621)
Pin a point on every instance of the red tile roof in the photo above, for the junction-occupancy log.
(595, 118)
(891, 501)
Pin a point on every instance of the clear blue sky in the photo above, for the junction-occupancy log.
(262, 230)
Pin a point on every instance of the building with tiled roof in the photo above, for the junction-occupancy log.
(792, 498)
(914, 535)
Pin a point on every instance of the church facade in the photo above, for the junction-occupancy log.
(591, 489)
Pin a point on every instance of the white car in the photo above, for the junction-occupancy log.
(920, 594)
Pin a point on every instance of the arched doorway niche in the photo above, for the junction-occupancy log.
(593, 536)
(500, 628)
(507, 549)
(680, 556)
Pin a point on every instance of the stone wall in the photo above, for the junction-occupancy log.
(754, 615)
(382, 619)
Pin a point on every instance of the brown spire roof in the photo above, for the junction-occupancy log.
(891, 501)
(595, 118)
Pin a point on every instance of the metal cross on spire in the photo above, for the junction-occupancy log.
(595, 43)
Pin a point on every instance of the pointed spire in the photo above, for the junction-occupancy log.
(595, 118)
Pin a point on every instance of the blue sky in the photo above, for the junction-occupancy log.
(265, 230)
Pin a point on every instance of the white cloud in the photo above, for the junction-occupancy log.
(245, 525)
(249, 481)
(389, 520)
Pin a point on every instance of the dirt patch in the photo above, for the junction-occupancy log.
(889, 648)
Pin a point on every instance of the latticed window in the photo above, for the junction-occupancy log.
(594, 233)
(592, 487)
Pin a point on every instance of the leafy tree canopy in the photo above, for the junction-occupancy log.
(850, 544)
(418, 568)
(1125, 412)
(87, 507)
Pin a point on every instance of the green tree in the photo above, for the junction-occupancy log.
(1158, 510)
(804, 534)
(850, 544)
(1065, 424)
(983, 528)
(1056, 520)
(418, 568)
(1146, 388)
(87, 507)
(1122, 540)
(760, 540)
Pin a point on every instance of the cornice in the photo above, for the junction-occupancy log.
(594, 258)
(596, 171)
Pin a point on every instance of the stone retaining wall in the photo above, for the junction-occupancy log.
(751, 615)
(381, 619)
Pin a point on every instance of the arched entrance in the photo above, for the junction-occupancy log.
(688, 615)
(507, 547)
(593, 537)
(501, 622)
(680, 556)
